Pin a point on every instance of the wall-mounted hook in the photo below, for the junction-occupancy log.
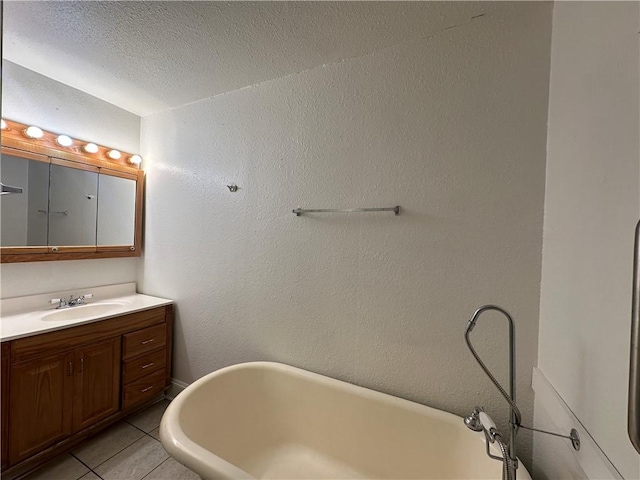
(233, 187)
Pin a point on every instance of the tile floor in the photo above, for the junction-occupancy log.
(129, 450)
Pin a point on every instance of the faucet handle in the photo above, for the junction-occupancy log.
(82, 298)
(60, 301)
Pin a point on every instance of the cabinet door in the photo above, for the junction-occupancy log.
(40, 401)
(97, 383)
(4, 442)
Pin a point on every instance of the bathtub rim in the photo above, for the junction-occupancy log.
(187, 452)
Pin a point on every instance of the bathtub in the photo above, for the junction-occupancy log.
(269, 420)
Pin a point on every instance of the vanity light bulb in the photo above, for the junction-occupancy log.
(90, 148)
(114, 154)
(135, 159)
(64, 141)
(33, 132)
(3, 124)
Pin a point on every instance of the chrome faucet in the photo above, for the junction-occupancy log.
(72, 302)
(62, 303)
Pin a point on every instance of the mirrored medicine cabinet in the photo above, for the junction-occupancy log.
(59, 203)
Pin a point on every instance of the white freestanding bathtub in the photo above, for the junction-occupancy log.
(269, 420)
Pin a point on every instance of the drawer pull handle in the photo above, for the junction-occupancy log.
(70, 370)
(147, 341)
(81, 364)
(146, 389)
(147, 365)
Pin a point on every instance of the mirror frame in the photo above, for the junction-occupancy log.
(45, 149)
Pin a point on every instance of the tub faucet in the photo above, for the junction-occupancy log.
(480, 421)
(493, 435)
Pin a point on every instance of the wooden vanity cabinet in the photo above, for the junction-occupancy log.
(55, 396)
(60, 387)
(4, 394)
(144, 360)
(40, 404)
(96, 385)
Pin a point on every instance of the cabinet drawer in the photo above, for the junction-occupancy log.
(139, 367)
(143, 389)
(143, 341)
(29, 348)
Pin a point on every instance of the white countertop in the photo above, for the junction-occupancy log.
(27, 322)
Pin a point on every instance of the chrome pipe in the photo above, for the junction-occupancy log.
(516, 417)
(634, 357)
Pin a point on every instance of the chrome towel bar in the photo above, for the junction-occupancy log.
(299, 211)
(8, 189)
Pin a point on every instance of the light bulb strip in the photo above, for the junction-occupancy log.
(14, 135)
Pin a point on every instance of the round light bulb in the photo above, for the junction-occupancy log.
(135, 159)
(64, 141)
(114, 154)
(3, 124)
(33, 132)
(90, 148)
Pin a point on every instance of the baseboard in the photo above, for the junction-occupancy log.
(552, 413)
(176, 387)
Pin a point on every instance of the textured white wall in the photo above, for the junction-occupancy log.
(591, 207)
(32, 98)
(137, 54)
(452, 128)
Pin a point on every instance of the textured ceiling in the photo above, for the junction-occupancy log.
(150, 56)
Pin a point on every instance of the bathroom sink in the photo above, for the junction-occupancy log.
(83, 311)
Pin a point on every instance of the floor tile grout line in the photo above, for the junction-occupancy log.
(146, 433)
(73, 456)
(137, 427)
(156, 467)
(106, 460)
(149, 433)
(102, 463)
(139, 439)
(96, 474)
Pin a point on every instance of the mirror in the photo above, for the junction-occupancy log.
(116, 210)
(73, 206)
(24, 215)
(66, 208)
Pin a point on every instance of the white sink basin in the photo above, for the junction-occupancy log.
(83, 311)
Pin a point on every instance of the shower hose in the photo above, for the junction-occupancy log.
(507, 466)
